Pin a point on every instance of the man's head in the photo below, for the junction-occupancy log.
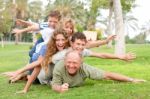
(78, 41)
(53, 18)
(73, 61)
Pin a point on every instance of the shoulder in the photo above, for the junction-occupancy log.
(59, 66)
(44, 46)
(47, 30)
(86, 52)
(59, 56)
(60, 53)
(43, 25)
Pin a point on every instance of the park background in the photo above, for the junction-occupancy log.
(91, 15)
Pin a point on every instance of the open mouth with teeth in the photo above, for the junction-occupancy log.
(60, 47)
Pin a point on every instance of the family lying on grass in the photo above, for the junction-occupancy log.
(57, 58)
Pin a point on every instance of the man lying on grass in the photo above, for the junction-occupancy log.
(72, 72)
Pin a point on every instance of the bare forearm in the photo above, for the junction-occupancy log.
(118, 77)
(105, 55)
(29, 66)
(97, 43)
(32, 78)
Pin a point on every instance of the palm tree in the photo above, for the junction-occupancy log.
(110, 24)
(34, 10)
(19, 11)
(5, 19)
(68, 8)
(130, 23)
(119, 28)
(146, 28)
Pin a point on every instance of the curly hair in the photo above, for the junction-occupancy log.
(52, 49)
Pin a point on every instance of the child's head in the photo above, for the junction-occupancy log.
(68, 26)
(53, 18)
(78, 41)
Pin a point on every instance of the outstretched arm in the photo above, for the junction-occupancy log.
(126, 57)
(119, 77)
(23, 23)
(33, 27)
(97, 43)
(25, 68)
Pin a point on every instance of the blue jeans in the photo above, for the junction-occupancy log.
(32, 51)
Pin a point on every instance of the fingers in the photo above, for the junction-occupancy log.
(21, 92)
(64, 87)
(66, 84)
(131, 55)
(111, 37)
(8, 74)
(15, 31)
(138, 80)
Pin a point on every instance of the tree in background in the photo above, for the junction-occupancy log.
(18, 9)
(68, 8)
(119, 28)
(126, 7)
(130, 23)
(5, 20)
(35, 10)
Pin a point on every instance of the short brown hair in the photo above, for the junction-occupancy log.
(78, 35)
(55, 13)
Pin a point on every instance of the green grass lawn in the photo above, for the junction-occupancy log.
(13, 57)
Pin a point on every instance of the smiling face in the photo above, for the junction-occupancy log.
(78, 45)
(78, 41)
(68, 28)
(72, 62)
(53, 21)
(60, 41)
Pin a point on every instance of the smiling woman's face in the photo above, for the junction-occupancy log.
(60, 42)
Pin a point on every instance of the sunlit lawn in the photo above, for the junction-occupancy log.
(16, 56)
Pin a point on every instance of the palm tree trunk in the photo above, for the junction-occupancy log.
(16, 39)
(109, 29)
(2, 42)
(119, 28)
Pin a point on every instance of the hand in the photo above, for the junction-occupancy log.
(20, 22)
(14, 79)
(11, 74)
(111, 37)
(138, 80)
(128, 56)
(21, 92)
(17, 31)
(64, 87)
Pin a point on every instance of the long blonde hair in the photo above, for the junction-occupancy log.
(52, 49)
(66, 21)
